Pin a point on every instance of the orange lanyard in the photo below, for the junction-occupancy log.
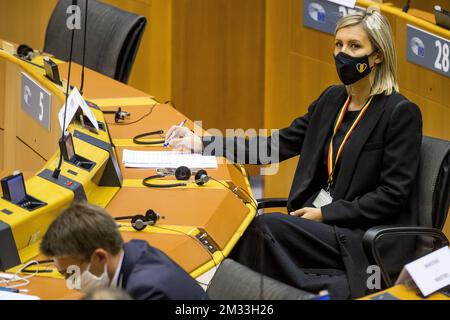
(331, 164)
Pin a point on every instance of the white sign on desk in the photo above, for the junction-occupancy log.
(74, 102)
(431, 272)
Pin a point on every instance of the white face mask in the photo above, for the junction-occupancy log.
(89, 281)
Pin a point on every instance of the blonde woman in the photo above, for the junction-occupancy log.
(359, 148)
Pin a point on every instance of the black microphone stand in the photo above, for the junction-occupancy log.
(84, 46)
(57, 170)
(407, 6)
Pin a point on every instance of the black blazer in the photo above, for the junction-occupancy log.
(377, 170)
(148, 274)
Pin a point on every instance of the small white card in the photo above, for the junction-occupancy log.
(75, 101)
(431, 272)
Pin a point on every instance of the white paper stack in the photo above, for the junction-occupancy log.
(167, 159)
(4, 295)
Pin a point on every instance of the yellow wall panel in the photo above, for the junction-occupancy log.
(1, 149)
(434, 115)
(25, 21)
(218, 61)
(2, 93)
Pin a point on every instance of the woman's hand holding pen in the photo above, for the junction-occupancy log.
(183, 139)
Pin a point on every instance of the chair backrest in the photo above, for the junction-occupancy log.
(113, 37)
(432, 190)
(429, 202)
(233, 281)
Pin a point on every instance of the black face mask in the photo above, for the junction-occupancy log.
(352, 69)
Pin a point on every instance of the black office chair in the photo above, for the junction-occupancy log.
(431, 197)
(233, 281)
(113, 37)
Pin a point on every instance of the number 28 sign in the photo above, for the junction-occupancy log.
(428, 50)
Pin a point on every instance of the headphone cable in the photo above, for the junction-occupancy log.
(138, 120)
(253, 202)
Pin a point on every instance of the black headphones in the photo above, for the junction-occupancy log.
(181, 173)
(137, 138)
(140, 222)
(25, 52)
(120, 115)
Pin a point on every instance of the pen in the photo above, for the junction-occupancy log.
(166, 144)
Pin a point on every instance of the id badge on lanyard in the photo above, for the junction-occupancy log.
(324, 197)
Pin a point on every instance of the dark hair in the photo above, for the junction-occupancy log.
(79, 231)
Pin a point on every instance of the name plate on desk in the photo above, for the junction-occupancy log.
(428, 50)
(36, 101)
(323, 15)
(431, 272)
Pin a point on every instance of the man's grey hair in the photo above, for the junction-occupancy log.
(79, 231)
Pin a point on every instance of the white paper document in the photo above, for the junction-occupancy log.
(4, 295)
(74, 102)
(431, 272)
(167, 159)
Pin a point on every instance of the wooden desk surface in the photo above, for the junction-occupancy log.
(185, 207)
(51, 289)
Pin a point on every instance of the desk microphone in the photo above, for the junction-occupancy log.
(407, 6)
(57, 170)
